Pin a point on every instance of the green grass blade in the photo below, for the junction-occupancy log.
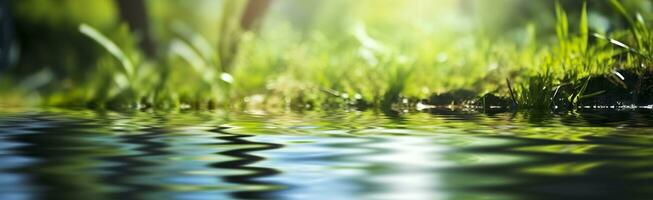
(581, 92)
(562, 25)
(186, 52)
(642, 26)
(584, 28)
(618, 43)
(620, 8)
(110, 46)
(592, 94)
(641, 22)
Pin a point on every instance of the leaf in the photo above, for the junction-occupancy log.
(110, 46)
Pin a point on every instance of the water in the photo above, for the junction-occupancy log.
(84, 154)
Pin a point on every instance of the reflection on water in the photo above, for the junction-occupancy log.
(82, 154)
(243, 158)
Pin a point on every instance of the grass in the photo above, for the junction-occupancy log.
(566, 70)
(286, 67)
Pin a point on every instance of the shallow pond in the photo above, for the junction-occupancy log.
(84, 154)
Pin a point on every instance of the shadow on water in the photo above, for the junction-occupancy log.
(448, 155)
(596, 173)
(639, 118)
(128, 169)
(60, 153)
(593, 163)
(244, 159)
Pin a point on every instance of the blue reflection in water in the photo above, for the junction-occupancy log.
(82, 154)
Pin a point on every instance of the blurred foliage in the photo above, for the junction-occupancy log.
(320, 53)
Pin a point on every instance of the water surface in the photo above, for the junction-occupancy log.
(85, 154)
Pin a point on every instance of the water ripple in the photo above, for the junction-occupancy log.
(83, 154)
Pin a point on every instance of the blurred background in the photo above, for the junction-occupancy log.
(206, 53)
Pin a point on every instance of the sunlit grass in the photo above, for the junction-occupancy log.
(361, 65)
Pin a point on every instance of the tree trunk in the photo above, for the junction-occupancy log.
(249, 21)
(253, 14)
(134, 13)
